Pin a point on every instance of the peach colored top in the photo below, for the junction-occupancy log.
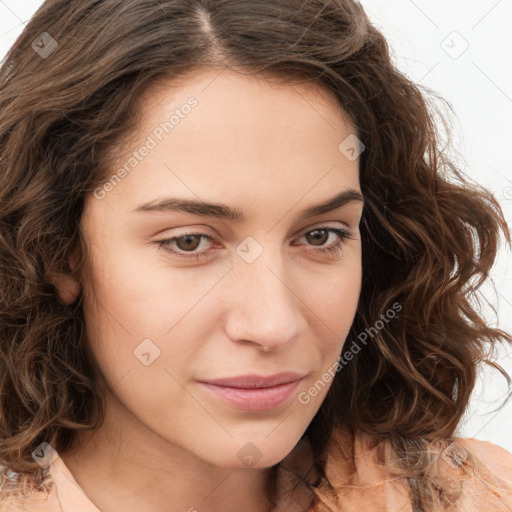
(372, 489)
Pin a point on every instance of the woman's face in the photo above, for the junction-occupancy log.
(159, 321)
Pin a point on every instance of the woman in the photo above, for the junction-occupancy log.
(171, 338)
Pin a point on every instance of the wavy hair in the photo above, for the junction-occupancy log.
(429, 236)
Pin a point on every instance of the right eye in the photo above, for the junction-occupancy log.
(188, 241)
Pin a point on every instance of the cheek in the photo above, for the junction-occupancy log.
(333, 307)
(334, 300)
(138, 290)
(124, 305)
(132, 297)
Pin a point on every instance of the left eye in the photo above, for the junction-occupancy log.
(191, 241)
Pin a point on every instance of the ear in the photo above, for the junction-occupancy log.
(67, 285)
(68, 288)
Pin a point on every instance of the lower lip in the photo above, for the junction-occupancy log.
(255, 399)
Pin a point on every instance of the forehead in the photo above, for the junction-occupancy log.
(223, 87)
(239, 108)
(220, 134)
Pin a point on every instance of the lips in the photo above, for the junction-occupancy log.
(256, 381)
(255, 393)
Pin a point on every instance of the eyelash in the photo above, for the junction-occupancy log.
(333, 250)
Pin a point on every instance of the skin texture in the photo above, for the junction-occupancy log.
(270, 150)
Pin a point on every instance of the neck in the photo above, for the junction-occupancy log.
(132, 469)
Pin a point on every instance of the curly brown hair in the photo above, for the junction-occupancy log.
(429, 236)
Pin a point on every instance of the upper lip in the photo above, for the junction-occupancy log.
(257, 381)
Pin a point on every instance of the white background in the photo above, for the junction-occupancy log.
(462, 50)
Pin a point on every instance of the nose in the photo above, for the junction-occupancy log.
(264, 309)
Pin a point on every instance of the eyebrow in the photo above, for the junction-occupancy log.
(222, 211)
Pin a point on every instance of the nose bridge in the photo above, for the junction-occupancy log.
(265, 309)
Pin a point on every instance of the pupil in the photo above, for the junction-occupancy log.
(315, 237)
(188, 238)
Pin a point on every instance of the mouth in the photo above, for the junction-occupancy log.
(253, 392)
(256, 381)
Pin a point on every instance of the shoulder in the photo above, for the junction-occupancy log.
(35, 502)
(476, 474)
(490, 477)
(489, 453)
(495, 458)
(14, 496)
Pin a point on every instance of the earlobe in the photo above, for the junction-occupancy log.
(68, 288)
